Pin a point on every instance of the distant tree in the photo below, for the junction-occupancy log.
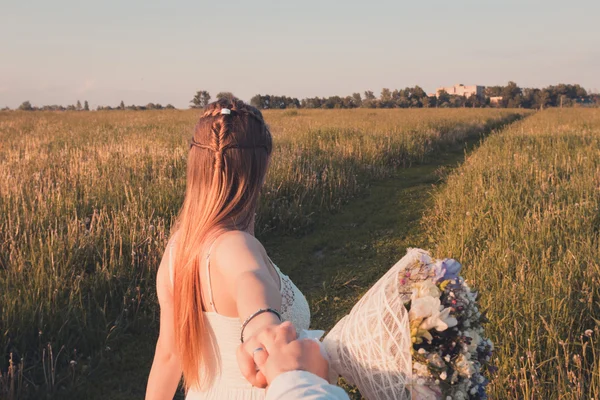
(457, 101)
(122, 105)
(443, 98)
(170, 107)
(493, 91)
(71, 107)
(7, 108)
(201, 99)
(357, 99)
(86, 106)
(369, 95)
(542, 99)
(386, 98)
(473, 101)
(26, 106)
(225, 95)
(78, 106)
(418, 92)
(256, 101)
(512, 95)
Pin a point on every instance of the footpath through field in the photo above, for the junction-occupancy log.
(333, 265)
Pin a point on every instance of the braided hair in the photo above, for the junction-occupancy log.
(222, 137)
(227, 164)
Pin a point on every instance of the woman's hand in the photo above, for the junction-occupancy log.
(256, 345)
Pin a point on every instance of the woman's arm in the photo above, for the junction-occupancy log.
(166, 368)
(245, 274)
(244, 281)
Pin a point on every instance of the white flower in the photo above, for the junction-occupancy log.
(423, 307)
(464, 367)
(424, 258)
(425, 288)
(475, 340)
(421, 369)
(459, 396)
(439, 320)
(422, 392)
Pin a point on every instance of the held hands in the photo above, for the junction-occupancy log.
(275, 350)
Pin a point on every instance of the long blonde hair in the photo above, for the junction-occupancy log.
(227, 163)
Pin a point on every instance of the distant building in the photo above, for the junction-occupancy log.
(462, 90)
(495, 99)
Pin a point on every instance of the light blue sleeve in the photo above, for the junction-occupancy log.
(296, 385)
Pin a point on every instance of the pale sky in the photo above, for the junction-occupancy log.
(61, 51)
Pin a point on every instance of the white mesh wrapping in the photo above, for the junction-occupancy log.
(371, 346)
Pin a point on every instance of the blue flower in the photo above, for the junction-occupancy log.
(451, 267)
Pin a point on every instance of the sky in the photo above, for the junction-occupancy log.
(61, 51)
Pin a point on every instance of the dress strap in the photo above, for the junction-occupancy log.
(211, 301)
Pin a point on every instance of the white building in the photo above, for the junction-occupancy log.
(462, 90)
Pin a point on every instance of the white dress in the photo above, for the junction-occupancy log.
(229, 383)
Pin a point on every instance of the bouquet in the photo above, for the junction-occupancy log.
(449, 351)
(416, 334)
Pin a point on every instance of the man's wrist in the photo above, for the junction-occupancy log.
(295, 376)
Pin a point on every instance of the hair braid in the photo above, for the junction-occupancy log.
(219, 131)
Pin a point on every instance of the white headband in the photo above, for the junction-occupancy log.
(225, 111)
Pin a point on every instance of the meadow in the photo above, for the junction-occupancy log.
(87, 201)
(522, 214)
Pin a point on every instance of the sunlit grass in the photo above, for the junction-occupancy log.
(522, 214)
(87, 200)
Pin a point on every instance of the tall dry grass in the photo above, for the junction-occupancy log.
(87, 200)
(522, 214)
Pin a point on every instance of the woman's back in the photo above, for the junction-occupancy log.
(223, 338)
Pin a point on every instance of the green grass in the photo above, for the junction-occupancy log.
(87, 200)
(522, 215)
(333, 265)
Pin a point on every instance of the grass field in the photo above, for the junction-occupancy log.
(87, 200)
(522, 214)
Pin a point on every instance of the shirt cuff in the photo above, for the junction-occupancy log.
(291, 378)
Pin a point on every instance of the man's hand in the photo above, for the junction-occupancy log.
(254, 345)
(280, 353)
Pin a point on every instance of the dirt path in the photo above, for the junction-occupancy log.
(333, 265)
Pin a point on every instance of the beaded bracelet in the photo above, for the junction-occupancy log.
(256, 314)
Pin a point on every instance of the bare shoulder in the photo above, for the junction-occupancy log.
(238, 250)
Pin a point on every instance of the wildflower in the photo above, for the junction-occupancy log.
(435, 360)
(421, 369)
(464, 366)
(452, 267)
(424, 289)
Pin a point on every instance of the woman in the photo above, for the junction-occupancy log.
(215, 275)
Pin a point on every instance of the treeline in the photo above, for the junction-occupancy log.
(509, 96)
(149, 106)
(26, 106)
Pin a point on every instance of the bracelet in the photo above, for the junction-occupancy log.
(256, 314)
